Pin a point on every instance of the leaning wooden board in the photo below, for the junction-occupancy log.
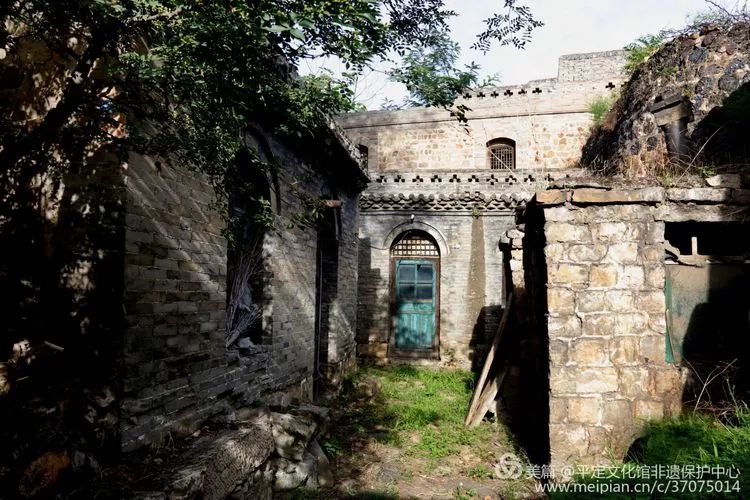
(488, 362)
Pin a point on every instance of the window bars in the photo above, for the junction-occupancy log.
(414, 245)
(501, 154)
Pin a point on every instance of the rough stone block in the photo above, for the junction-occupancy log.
(649, 410)
(587, 253)
(551, 197)
(563, 231)
(558, 352)
(725, 180)
(560, 300)
(597, 380)
(619, 300)
(373, 350)
(568, 273)
(614, 232)
(567, 441)
(625, 253)
(651, 302)
(559, 214)
(554, 252)
(558, 410)
(624, 350)
(566, 326)
(600, 196)
(634, 323)
(630, 277)
(618, 413)
(599, 324)
(635, 381)
(653, 347)
(699, 195)
(584, 410)
(603, 276)
(589, 352)
(590, 301)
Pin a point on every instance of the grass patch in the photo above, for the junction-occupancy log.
(693, 442)
(643, 48)
(599, 108)
(421, 410)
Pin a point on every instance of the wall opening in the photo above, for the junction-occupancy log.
(501, 154)
(707, 295)
(326, 288)
(247, 271)
(415, 268)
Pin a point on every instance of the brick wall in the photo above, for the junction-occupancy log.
(471, 279)
(178, 372)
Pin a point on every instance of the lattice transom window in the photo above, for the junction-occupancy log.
(501, 154)
(414, 245)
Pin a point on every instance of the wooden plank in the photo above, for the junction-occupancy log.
(488, 397)
(488, 362)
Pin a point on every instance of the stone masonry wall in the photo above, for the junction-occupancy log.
(542, 141)
(178, 372)
(548, 120)
(581, 67)
(606, 324)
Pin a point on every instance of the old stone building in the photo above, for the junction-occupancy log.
(614, 279)
(446, 199)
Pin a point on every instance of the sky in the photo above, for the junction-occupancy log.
(571, 26)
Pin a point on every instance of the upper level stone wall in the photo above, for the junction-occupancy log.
(548, 120)
(551, 141)
(581, 67)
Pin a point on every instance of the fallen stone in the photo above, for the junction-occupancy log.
(725, 180)
(254, 416)
(215, 466)
(325, 474)
(291, 433)
(292, 474)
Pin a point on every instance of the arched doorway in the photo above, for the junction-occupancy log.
(415, 267)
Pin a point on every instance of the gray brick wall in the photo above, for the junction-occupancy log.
(177, 371)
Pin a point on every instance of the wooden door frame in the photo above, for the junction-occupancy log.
(393, 351)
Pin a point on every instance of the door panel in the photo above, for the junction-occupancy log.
(416, 287)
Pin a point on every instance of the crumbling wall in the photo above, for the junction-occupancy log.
(706, 72)
(178, 371)
(606, 324)
(609, 365)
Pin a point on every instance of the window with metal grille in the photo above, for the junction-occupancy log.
(501, 154)
(414, 244)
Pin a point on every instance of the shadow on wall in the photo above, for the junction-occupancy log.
(721, 137)
(709, 322)
(371, 315)
(532, 426)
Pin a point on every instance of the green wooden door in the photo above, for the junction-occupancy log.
(415, 304)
